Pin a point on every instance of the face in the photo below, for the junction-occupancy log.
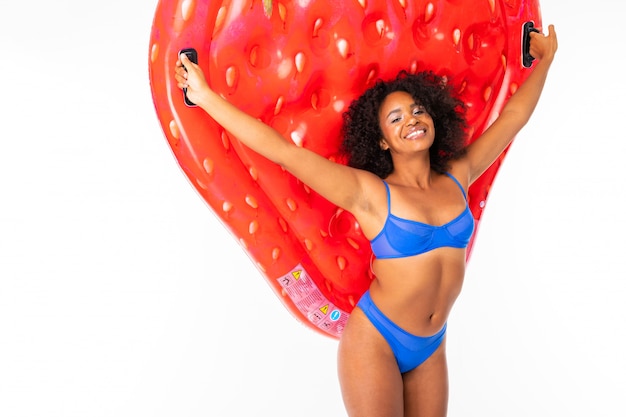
(405, 124)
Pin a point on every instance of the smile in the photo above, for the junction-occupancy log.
(416, 133)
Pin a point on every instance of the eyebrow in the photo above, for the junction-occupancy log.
(392, 112)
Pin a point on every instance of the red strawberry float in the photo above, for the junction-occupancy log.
(297, 65)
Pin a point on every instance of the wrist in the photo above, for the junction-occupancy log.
(204, 97)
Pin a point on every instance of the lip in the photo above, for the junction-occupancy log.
(415, 133)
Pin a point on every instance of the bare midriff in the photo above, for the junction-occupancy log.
(417, 293)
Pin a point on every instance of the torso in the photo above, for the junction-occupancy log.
(417, 292)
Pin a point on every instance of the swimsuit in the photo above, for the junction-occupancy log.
(410, 350)
(402, 238)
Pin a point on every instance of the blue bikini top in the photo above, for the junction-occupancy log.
(402, 238)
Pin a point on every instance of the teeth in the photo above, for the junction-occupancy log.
(415, 133)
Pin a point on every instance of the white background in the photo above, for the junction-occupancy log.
(121, 294)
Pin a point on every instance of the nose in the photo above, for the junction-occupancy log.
(411, 119)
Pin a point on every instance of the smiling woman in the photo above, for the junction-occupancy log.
(397, 332)
(412, 219)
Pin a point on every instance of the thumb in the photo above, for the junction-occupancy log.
(186, 62)
(553, 37)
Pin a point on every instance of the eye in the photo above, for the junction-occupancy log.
(418, 110)
(396, 119)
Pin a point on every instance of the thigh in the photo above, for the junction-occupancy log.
(426, 387)
(371, 383)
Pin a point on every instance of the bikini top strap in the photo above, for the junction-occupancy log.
(457, 183)
(388, 197)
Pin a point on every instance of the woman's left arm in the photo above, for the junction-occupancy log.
(485, 149)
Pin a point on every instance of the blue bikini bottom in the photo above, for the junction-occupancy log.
(410, 350)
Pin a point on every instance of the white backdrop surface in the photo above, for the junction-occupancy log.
(122, 295)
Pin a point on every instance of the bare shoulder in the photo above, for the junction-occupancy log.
(460, 169)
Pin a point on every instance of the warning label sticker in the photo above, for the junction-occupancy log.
(307, 297)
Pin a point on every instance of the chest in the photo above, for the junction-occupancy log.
(435, 207)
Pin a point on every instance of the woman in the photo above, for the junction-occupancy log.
(411, 204)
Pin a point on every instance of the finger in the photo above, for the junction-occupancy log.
(185, 61)
(180, 74)
(534, 34)
(181, 77)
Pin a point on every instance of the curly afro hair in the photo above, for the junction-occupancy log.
(362, 133)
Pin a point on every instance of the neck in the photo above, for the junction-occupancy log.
(414, 173)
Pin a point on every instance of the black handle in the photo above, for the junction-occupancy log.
(192, 54)
(527, 58)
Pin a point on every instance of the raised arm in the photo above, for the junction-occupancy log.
(336, 182)
(485, 150)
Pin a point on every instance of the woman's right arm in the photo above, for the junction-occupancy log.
(337, 183)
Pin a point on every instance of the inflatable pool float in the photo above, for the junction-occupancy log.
(297, 65)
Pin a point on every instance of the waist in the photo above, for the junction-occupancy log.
(418, 293)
